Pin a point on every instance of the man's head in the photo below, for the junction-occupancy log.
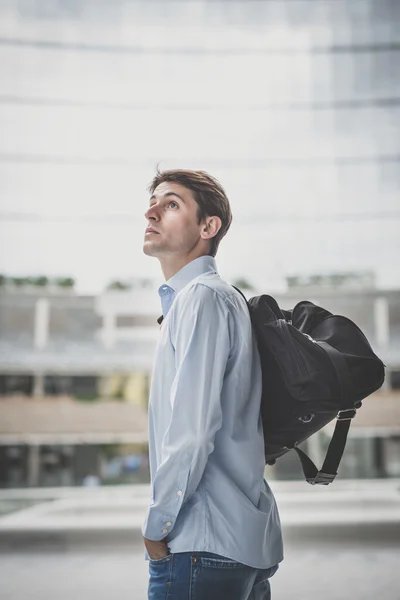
(190, 212)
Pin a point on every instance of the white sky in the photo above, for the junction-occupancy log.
(82, 130)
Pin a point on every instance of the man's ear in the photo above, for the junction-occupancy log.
(213, 225)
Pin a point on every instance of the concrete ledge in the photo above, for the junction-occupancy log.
(130, 540)
(71, 541)
(76, 519)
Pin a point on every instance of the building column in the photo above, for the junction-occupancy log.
(41, 323)
(381, 315)
(109, 327)
(40, 340)
(38, 385)
(33, 465)
(381, 319)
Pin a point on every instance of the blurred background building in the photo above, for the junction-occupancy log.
(75, 374)
(293, 104)
(74, 383)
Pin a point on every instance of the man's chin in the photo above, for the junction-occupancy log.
(149, 250)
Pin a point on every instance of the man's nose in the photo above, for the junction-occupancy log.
(150, 213)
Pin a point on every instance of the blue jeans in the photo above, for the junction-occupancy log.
(206, 576)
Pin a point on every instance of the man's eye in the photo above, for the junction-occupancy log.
(170, 202)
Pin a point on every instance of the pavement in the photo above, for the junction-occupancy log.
(342, 542)
(109, 513)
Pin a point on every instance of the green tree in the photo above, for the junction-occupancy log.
(65, 282)
(39, 281)
(119, 285)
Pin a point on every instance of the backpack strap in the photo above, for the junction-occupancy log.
(337, 444)
(240, 292)
(333, 457)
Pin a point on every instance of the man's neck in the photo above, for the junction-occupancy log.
(171, 267)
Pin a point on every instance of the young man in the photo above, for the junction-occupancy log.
(212, 530)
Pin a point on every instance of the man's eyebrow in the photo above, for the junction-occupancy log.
(167, 194)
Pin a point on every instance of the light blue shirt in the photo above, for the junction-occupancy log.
(206, 444)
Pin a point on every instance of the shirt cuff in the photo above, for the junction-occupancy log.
(158, 524)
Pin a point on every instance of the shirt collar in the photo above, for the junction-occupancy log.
(198, 266)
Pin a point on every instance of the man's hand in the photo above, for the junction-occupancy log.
(156, 549)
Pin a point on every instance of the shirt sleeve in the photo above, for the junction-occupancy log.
(200, 334)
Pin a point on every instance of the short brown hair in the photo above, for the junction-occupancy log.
(208, 193)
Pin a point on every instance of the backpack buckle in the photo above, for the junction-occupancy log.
(322, 478)
(353, 412)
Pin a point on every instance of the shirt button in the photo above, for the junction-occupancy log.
(165, 530)
(179, 492)
(169, 523)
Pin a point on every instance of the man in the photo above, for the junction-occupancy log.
(212, 530)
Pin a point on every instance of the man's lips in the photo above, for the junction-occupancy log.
(151, 231)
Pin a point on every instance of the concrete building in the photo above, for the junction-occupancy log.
(75, 374)
(84, 363)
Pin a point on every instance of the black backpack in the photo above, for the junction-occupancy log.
(316, 367)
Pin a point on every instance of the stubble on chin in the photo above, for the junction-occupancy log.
(152, 249)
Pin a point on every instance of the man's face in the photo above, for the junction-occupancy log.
(172, 214)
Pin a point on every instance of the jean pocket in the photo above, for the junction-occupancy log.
(158, 561)
(274, 570)
(268, 573)
(219, 562)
